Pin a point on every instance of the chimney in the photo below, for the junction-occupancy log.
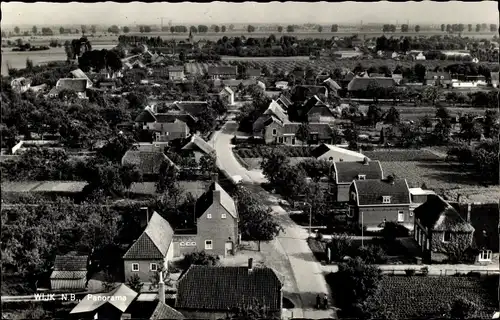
(390, 179)
(365, 161)
(215, 177)
(458, 197)
(144, 217)
(161, 288)
(469, 207)
(250, 264)
(216, 195)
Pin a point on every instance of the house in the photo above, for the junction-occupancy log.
(317, 111)
(109, 305)
(199, 147)
(336, 154)
(419, 196)
(39, 88)
(107, 84)
(20, 85)
(149, 162)
(79, 86)
(222, 72)
(70, 272)
(348, 171)
(193, 108)
(439, 228)
(437, 79)
(79, 74)
(275, 112)
(420, 56)
(376, 75)
(397, 78)
(227, 95)
(253, 73)
(304, 92)
(165, 126)
(282, 85)
(373, 202)
(284, 102)
(494, 79)
(152, 251)
(332, 86)
(287, 133)
(358, 84)
(206, 292)
(176, 73)
(234, 84)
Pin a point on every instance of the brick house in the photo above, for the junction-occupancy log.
(70, 272)
(348, 171)
(317, 111)
(206, 292)
(438, 79)
(152, 251)
(149, 162)
(252, 73)
(176, 73)
(222, 72)
(373, 202)
(79, 86)
(227, 95)
(439, 229)
(333, 153)
(198, 147)
(79, 74)
(361, 84)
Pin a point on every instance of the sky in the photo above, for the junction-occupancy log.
(107, 13)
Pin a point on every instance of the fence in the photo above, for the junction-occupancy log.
(440, 272)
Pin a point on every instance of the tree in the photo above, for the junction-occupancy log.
(280, 29)
(315, 169)
(134, 283)
(392, 116)
(147, 29)
(393, 230)
(335, 28)
(93, 29)
(431, 94)
(114, 29)
(404, 28)
(34, 30)
(217, 29)
(340, 246)
(374, 90)
(231, 27)
(426, 122)
(478, 27)
(374, 114)
(271, 164)
(115, 147)
(420, 72)
(443, 27)
(469, 27)
(223, 29)
(493, 27)
(256, 222)
(126, 29)
(320, 29)
(463, 309)
(167, 177)
(290, 28)
(490, 124)
(207, 165)
(303, 132)
(442, 113)
(16, 30)
(199, 258)
(61, 31)
(250, 28)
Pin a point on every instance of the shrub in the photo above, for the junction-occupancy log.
(340, 246)
(393, 230)
(410, 272)
(372, 254)
(424, 271)
(474, 274)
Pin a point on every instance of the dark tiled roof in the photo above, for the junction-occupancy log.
(70, 263)
(430, 75)
(164, 311)
(154, 241)
(68, 275)
(222, 70)
(200, 144)
(234, 83)
(225, 288)
(207, 199)
(437, 214)
(285, 100)
(370, 192)
(322, 129)
(147, 162)
(331, 84)
(78, 85)
(347, 171)
(194, 108)
(320, 150)
(253, 72)
(311, 90)
(145, 116)
(176, 69)
(363, 83)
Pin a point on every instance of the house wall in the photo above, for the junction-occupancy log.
(460, 241)
(340, 156)
(321, 119)
(342, 191)
(209, 315)
(373, 216)
(186, 247)
(217, 229)
(144, 272)
(268, 132)
(176, 75)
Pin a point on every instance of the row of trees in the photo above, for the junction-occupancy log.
(457, 28)
(404, 28)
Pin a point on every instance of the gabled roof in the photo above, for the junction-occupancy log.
(92, 302)
(154, 241)
(147, 162)
(328, 148)
(146, 115)
(79, 74)
(331, 84)
(429, 75)
(70, 262)
(224, 288)
(228, 90)
(312, 102)
(312, 90)
(323, 130)
(164, 311)
(234, 83)
(347, 171)
(200, 144)
(251, 72)
(370, 192)
(194, 108)
(263, 121)
(222, 70)
(276, 110)
(437, 214)
(285, 101)
(176, 69)
(68, 275)
(207, 199)
(78, 85)
(363, 83)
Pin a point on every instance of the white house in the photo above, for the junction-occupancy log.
(282, 85)
(420, 56)
(227, 94)
(336, 154)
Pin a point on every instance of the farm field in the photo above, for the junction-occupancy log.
(424, 297)
(417, 113)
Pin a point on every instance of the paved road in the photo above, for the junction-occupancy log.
(291, 245)
(434, 269)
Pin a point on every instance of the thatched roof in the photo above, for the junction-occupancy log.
(439, 215)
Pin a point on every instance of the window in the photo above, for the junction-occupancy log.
(208, 245)
(447, 236)
(293, 141)
(223, 216)
(401, 216)
(135, 267)
(386, 199)
(442, 77)
(181, 244)
(209, 216)
(485, 255)
(411, 213)
(274, 132)
(153, 267)
(361, 176)
(193, 243)
(435, 77)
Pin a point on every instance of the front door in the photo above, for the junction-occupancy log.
(228, 248)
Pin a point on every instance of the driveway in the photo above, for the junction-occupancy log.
(289, 252)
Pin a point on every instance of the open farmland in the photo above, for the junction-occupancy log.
(417, 113)
(424, 297)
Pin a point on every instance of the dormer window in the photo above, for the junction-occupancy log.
(361, 176)
(442, 77)
(386, 199)
(435, 77)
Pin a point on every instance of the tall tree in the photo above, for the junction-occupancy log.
(34, 30)
(392, 116)
(417, 28)
(469, 27)
(167, 177)
(374, 114)
(320, 29)
(271, 163)
(280, 29)
(126, 29)
(443, 26)
(250, 28)
(17, 30)
(290, 28)
(478, 27)
(335, 28)
(303, 132)
(223, 29)
(61, 30)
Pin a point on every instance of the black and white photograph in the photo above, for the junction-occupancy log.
(250, 160)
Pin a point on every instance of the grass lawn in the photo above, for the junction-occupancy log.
(258, 151)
